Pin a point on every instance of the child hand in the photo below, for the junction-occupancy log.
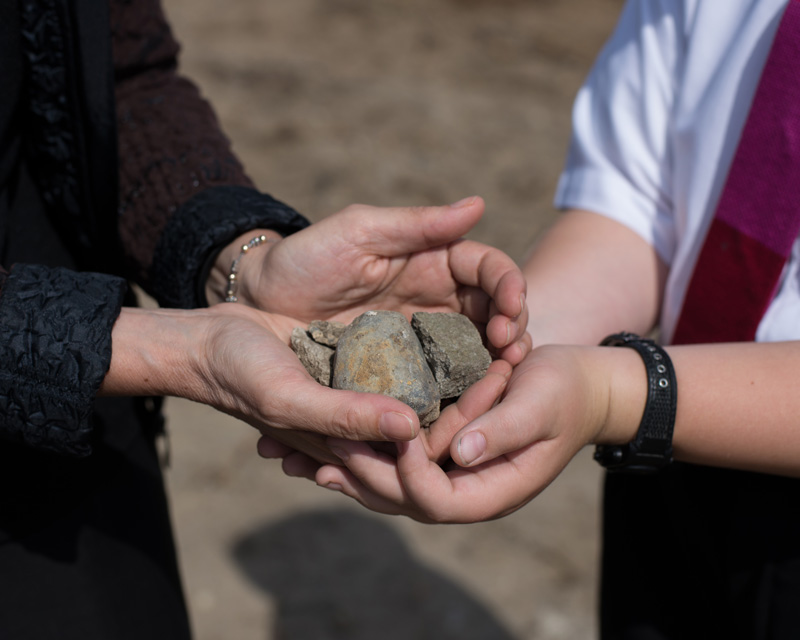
(556, 401)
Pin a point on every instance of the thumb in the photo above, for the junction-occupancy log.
(345, 414)
(401, 230)
(504, 429)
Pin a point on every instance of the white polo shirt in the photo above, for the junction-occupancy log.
(656, 125)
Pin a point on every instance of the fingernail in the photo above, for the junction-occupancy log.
(340, 453)
(471, 447)
(396, 426)
(512, 328)
(333, 486)
(521, 304)
(463, 203)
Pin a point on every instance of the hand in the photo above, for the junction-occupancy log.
(558, 400)
(435, 440)
(230, 357)
(401, 259)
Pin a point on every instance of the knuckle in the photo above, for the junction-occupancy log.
(346, 422)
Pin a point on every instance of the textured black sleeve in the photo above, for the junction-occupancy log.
(55, 350)
(200, 228)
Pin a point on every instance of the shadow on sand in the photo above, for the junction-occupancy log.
(339, 575)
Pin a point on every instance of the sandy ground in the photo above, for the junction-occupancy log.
(385, 102)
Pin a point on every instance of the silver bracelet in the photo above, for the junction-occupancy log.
(230, 294)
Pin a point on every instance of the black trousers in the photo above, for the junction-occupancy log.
(700, 553)
(86, 548)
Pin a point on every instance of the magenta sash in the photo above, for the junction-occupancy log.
(758, 216)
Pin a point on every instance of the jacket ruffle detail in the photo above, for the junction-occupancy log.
(200, 228)
(55, 350)
(52, 127)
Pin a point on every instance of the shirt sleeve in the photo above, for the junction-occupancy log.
(619, 161)
(55, 350)
(183, 192)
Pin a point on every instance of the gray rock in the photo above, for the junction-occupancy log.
(453, 349)
(379, 353)
(326, 332)
(315, 357)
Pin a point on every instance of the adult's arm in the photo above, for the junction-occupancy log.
(184, 195)
(55, 348)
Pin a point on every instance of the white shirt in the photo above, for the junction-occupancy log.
(656, 125)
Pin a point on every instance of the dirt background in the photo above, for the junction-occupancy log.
(386, 102)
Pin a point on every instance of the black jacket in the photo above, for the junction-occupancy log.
(112, 167)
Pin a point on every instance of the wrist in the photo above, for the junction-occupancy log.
(218, 282)
(153, 353)
(651, 448)
(626, 377)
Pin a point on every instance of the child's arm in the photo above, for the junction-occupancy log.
(590, 276)
(736, 402)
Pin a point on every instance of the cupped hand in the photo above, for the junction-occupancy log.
(250, 373)
(556, 401)
(401, 259)
(435, 440)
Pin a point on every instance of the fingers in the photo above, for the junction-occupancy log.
(376, 466)
(517, 351)
(492, 272)
(372, 478)
(270, 448)
(477, 265)
(299, 465)
(506, 337)
(397, 231)
(295, 463)
(512, 425)
(310, 407)
(413, 485)
(364, 462)
(474, 402)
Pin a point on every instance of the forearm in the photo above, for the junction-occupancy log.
(170, 144)
(590, 276)
(183, 193)
(155, 352)
(738, 405)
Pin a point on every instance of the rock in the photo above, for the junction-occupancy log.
(453, 349)
(315, 357)
(326, 332)
(379, 353)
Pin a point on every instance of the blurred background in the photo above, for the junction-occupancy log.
(385, 102)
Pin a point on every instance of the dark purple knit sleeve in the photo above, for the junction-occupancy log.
(183, 193)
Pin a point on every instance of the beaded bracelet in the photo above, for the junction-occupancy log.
(230, 294)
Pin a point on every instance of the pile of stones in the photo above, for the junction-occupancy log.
(433, 358)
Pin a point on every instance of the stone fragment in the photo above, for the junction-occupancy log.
(326, 332)
(379, 353)
(315, 357)
(453, 349)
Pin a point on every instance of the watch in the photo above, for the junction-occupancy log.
(651, 449)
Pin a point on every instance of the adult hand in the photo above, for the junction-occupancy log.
(557, 400)
(401, 259)
(230, 357)
(435, 440)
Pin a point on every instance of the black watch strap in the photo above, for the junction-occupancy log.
(651, 449)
